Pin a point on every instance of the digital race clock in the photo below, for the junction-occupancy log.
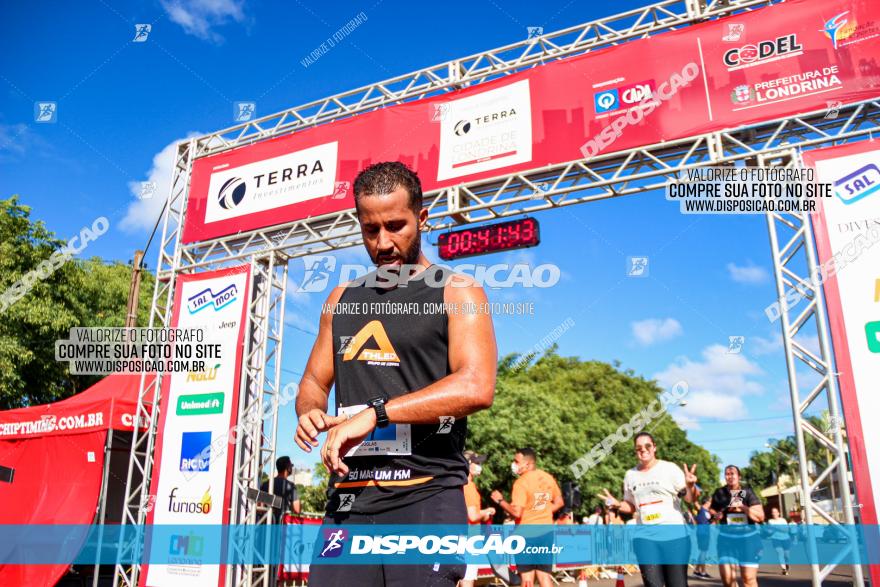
(492, 238)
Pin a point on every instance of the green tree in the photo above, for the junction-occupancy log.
(562, 407)
(74, 293)
(314, 497)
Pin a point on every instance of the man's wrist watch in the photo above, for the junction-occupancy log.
(378, 404)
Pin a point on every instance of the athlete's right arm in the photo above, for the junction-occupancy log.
(317, 380)
(623, 506)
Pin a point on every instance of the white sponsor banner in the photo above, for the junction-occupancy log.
(272, 183)
(198, 411)
(487, 131)
(847, 228)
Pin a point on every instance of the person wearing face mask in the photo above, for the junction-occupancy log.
(653, 490)
(476, 513)
(535, 498)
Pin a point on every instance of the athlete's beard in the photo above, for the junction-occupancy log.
(410, 255)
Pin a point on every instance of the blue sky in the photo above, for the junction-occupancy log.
(122, 105)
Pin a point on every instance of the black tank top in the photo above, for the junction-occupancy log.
(390, 342)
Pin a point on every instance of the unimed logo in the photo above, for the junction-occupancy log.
(872, 332)
(199, 404)
(334, 542)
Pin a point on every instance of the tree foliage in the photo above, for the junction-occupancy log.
(77, 293)
(314, 497)
(562, 407)
(781, 456)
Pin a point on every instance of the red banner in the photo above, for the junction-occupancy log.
(771, 63)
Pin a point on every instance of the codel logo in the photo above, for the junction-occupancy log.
(231, 193)
(763, 51)
(859, 184)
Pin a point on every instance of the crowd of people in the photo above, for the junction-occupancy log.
(656, 493)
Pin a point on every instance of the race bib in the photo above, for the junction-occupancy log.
(736, 518)
(653, 512)
(394, 439)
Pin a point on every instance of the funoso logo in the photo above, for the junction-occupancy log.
(178, 506)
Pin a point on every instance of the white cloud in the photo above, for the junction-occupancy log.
(655, 330)
(198, 16)
(719, 371)
(710, 404)
(14, 137)
(143, 213)
(750, 273)
(760, 346)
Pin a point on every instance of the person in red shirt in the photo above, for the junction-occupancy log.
(535, 498)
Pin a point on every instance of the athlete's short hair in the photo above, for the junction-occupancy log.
(385, 177)
(528, 453)
(643, 433)
(283, 464)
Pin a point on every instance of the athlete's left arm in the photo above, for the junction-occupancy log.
(756, 509)
(469, 388)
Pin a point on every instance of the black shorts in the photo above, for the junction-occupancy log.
(535, 562)
(445, 507)
(744, 551)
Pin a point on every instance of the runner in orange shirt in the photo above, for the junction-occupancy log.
(535, 498)
(476, 513)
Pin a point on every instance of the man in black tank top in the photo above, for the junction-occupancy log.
(411, 351)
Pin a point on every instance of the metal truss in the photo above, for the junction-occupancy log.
(479, 68)
(140, 464)
(578, 181)
(803, 317)
(618, 174)
(258, 410)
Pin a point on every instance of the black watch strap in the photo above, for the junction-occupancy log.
(378, 404)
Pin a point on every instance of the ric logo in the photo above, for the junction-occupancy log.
(859, 184)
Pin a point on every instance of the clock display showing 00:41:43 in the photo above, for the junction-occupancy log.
(503, 236)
